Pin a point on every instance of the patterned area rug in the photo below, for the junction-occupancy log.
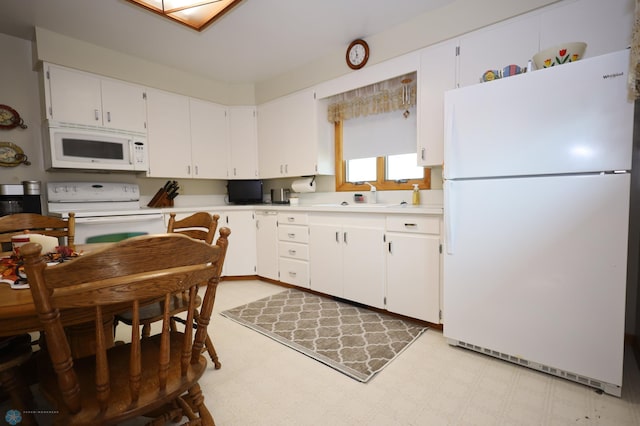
(355, 341)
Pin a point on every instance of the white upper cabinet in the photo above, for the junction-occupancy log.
(209, 140)
(85, 99)
(169, 135)
(293, 137)
(495, 47)
(606, 26)
(243, 142)
(437, 75)
(188, 138)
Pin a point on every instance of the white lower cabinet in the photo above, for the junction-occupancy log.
(267, 244)
(241, 254)
(413, 266)
(293, 248)
(347, 257)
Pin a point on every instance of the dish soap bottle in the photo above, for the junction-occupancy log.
(415, 199)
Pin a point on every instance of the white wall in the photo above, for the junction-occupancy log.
(59, 49)
(20, 88)
(457, 18)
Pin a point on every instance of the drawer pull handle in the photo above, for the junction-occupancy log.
(292, 252)
(337, 237)
(291, 219)
(291, 235)
(292, 274)
(410, 225)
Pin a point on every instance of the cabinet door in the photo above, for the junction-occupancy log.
(299, 138)
(267, 244)
(288, 136)
(364, 267)
(243, 143)
(270, 124)
(74, 97)
(606, 26)
(209, 139)
(495, 47)
(241, 254)
(326, 258)
(413, 275)
(437, 75)
(169, 137)
(123, 106)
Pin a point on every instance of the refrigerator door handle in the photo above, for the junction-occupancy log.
(450, 139)
(449, 214)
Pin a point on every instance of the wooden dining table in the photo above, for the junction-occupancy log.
(18, 313)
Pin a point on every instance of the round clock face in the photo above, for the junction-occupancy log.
(357, 54)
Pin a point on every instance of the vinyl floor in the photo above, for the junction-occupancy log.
(262, 382)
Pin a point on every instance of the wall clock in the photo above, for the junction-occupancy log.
(357, 54)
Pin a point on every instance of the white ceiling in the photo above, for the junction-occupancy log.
(255, 41)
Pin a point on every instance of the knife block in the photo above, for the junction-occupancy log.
(161, 199)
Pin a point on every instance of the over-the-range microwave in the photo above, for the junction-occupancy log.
(71, 147)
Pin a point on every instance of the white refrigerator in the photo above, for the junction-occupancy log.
(537, 180)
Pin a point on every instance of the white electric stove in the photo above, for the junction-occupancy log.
(103, 210)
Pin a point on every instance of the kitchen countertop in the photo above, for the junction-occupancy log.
(321, 207)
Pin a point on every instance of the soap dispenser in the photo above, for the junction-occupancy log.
(415, 199)
(372, 194)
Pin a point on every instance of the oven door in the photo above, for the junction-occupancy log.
(95, 229)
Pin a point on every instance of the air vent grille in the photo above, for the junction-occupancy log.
(606, 387)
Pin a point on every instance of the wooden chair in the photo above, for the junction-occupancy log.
(112, 385)
(201, 226)
(16, 224)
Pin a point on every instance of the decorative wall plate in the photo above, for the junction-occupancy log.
(9, 118)
(12, 155)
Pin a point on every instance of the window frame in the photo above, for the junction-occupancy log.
(380, 183)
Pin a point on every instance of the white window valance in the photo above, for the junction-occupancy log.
(395, 94)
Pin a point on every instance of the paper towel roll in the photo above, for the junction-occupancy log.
(304, 185)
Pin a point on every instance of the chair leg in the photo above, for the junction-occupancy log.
(208, 344)
(146, 330)
(196, 400)
(212, 352)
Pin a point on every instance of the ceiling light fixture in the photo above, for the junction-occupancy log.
(192, 13)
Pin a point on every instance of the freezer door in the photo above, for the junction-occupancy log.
(565, 119)
(536, 268)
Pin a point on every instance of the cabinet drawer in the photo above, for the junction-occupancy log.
(294, 272)
(296, 234)
(293, 250)
(293, 218)
(417, 224)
